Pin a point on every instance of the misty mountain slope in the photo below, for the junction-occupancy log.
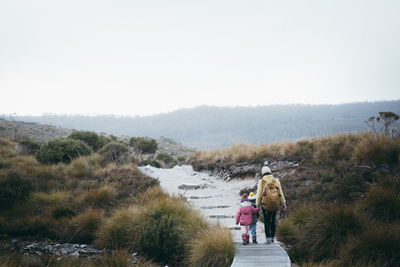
(208, 127)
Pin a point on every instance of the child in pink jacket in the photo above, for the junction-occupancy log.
(244, 216)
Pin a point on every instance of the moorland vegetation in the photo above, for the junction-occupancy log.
(343, 198)
(87, 189)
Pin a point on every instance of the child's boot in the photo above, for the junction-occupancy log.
(254, 239)
(244, 238)
(247, 239)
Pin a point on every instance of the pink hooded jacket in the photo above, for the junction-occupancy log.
(244, 214)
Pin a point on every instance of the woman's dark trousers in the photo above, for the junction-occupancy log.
(269, 223)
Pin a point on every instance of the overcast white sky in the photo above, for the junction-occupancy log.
(132, 57)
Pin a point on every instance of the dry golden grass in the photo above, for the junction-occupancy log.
(212, 247)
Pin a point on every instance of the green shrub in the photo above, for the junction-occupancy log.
(144, 144)
(152, 162)
(168, 159)
(379, 245)
(29, 147)
(113, 151)
(62, 150)
(326, 230)
(212, 247)
(92, 139)
(13, 188)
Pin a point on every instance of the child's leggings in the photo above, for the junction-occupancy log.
(253, 229)
(245, 229)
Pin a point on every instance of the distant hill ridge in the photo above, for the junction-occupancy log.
(208, 127)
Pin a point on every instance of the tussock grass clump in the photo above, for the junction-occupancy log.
(85, 226)
(326, 230)
(102, 197)
(212, 247)
(13, 188)
(378, 150)
(80, 168)
(286, 232)
(382, 204)
(378, 246)
(159, 227)
(119, 231)
(165, 226)
(55, 204)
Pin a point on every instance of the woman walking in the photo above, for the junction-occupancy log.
(270, 199)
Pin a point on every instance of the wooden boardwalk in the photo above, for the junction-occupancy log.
(259, 255)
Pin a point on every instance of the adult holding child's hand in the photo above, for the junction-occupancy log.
(270, 198)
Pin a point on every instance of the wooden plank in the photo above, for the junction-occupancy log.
(258, 255)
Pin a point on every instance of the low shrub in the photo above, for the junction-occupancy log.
(62, 150)
(113, 151)
(92, 139)
(168, 159)
(144, 144)
(212, 247)
(152, 162)
(28, 147)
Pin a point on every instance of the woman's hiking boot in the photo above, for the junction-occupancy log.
(254, 239)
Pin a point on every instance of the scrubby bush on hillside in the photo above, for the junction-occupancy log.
(168, 159)
(92, 139)
(62, 150)
(144, 144)
(113, 151)
(151, 162)
(28, 147)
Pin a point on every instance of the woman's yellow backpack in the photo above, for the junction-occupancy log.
(271, 197)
